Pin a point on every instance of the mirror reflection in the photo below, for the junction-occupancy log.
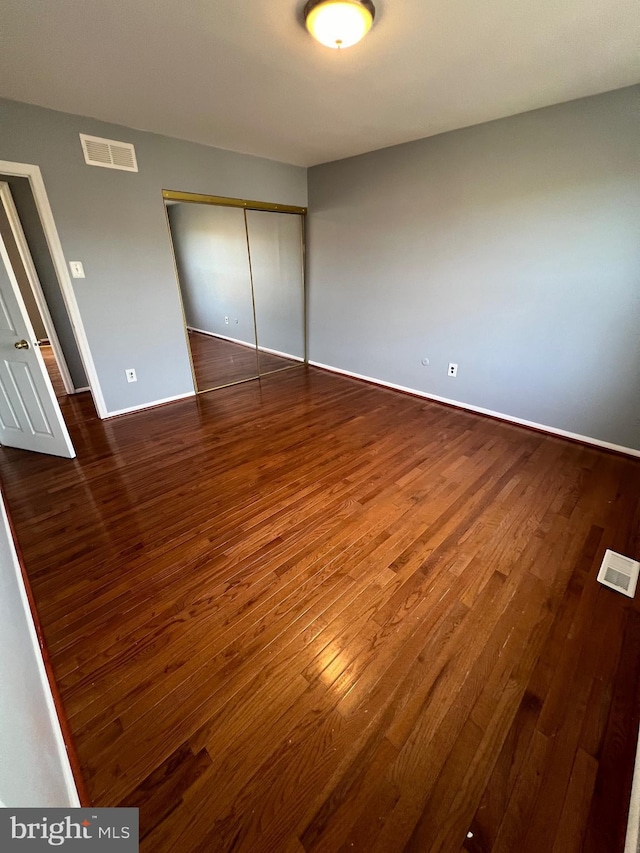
(241, 279)
(210, 247)
(275, 246)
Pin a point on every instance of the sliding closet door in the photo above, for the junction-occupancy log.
(210, 246)
(275, 244)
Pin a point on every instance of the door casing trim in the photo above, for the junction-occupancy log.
(34, 175)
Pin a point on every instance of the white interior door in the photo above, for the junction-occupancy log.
(30, 417)
(20, 241)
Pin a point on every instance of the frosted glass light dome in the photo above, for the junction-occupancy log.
(339, 23)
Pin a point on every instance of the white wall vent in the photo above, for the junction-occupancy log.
(619, 573)
(109, 153)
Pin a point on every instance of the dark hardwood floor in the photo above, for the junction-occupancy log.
(53, 371)
(309, 614)
(217, 362)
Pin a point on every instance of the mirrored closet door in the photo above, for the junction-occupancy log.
(210, 247)
(241, 278)
(275, 248)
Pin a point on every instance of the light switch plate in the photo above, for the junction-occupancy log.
(77, 270)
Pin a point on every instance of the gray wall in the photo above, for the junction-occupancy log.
(114, 222)
(32, 227)
(34, 770)
(511, 248)
(210, 245)
(21, 275)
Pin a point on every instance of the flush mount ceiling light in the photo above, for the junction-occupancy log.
(339, 23)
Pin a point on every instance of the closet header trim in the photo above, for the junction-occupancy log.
(200, 198)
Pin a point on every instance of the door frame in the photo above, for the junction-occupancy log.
(6, 199)
(34, 175)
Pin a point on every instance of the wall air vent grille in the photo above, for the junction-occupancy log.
(619, 573)
(109, 153)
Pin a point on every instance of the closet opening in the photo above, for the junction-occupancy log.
(240, 273)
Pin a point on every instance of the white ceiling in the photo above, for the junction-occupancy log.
(245, 75)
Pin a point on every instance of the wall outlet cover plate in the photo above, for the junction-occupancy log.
(619, 572)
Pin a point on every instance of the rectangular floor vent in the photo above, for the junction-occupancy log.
(109, 153)
(619, 573)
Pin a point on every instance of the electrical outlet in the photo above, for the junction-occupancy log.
(226, 320)
(131, 375)
(236, 321)
(453, 369)
(77, 270)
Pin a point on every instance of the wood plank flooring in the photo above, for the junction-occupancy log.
(52, 369)
(310, 614)
(217, 362)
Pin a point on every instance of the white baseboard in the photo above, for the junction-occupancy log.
(149, 405)
(585, 439)
(246, 344)
(282, 354)
(222, 337)
(80, 390)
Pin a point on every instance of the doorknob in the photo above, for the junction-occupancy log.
(22, 345)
